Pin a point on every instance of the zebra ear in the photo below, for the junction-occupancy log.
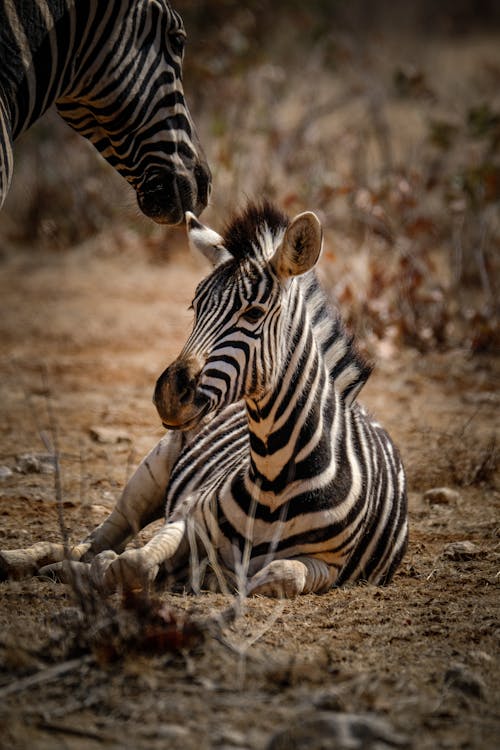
(300, 248)
(208, 242)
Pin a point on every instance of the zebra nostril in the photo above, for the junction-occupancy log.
(166, 195)
(184, 385)
(203, 179)
(185, 396)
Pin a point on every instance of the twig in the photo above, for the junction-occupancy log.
(45, 675)
(57, 465)
(75, 731)
(381, 128)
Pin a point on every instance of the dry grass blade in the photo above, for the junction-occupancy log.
(44, 675)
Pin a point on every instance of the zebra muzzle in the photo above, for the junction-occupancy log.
(176, 397)
(165, 196)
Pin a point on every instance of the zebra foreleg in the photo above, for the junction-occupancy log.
(141, 502)
(135, 569)
(132, 570)
(285, 579)
(21, 563)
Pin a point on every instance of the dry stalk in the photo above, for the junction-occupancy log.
(44, 675)
(53, 448)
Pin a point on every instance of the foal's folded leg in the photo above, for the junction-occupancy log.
(288, 578)
(141, 502)
(132, 570)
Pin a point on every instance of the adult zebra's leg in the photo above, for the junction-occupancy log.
(141, 502)
(285, 579)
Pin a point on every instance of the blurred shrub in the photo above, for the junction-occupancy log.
(62, 191)
(324, 106)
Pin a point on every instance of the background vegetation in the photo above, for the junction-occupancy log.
(384, 118)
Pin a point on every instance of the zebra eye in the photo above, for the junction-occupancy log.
(253, 314)
(177, 40)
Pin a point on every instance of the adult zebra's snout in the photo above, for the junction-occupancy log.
(176, 397)
(166, 195)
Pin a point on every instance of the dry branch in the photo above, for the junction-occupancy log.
(45, 675)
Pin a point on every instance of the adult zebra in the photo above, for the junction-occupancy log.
(271, 463)
(114, 71)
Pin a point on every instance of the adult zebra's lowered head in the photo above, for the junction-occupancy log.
(114, 71)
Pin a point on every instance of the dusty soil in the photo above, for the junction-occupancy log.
(84, 336)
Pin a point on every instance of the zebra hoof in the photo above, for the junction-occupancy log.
(128, 571)
(16, 564)
(65, 571)
(281, 579)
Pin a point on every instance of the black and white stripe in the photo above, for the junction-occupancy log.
(291, 474)
(114, 70)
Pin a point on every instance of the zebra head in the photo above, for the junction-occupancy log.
(126, 96)
(242, 314)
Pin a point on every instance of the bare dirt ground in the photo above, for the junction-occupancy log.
(84, 335)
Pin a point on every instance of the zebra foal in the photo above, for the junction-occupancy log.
(269, 460)
(114, 70)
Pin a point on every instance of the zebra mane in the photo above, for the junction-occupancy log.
(347, 367)
(243, 233)
(247, 236)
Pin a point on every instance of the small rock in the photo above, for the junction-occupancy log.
(171, 732)
(5, 472)
(338, 731)
(109, 435)
(35, 463)
(461, 679)
(328, 700)
(441, 496)
(460, 551)
(230, 738)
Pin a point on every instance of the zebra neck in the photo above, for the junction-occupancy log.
(46, 51)
(6, 153)
(291, 428)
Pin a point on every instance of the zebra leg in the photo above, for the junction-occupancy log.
(22, 563)
(141, 503)
(285, 579)
(134, 569)
(142, 500)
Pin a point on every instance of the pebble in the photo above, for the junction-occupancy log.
(35, 463)
(459, 551)
(5, 472)
(441, 496)
(327, 700)
(338, 731)
(171, 732)
(230, 738)
(461, 679)
(109, 435)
